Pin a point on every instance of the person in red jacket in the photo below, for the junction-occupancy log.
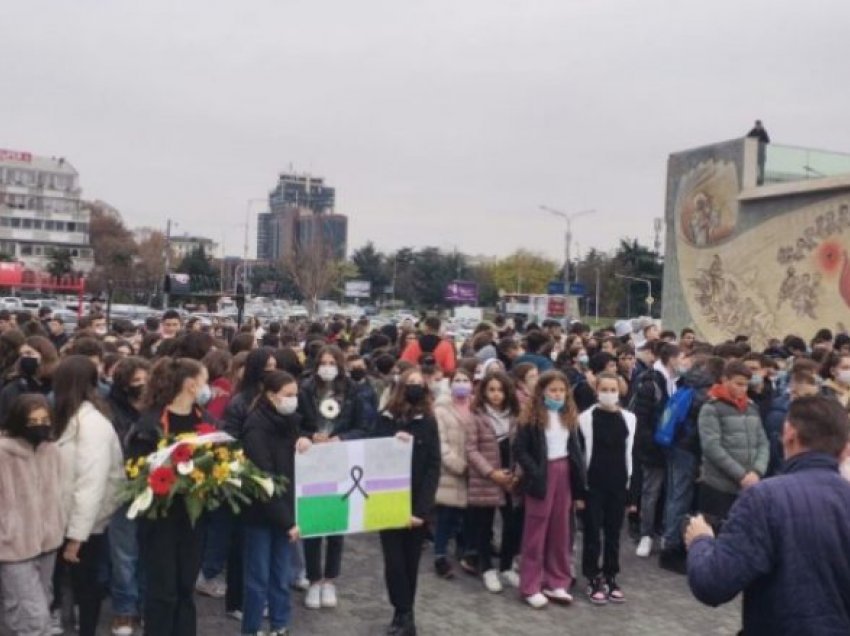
(431, 343)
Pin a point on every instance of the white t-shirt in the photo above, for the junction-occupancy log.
(556, 437)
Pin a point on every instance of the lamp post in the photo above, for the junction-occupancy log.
(649, 299)
(568, 237)
(167, 255)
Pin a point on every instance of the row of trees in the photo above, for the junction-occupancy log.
(415, 277)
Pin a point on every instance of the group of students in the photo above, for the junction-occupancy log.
(552, 430)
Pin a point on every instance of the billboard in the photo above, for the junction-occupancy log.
(462, 291)
(358, 289)
(178, 284)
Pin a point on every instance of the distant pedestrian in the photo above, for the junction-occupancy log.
(758, 132)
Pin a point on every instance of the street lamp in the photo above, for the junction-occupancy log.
(649, 299)
(568, 237)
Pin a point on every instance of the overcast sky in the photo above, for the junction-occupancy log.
(439, 122)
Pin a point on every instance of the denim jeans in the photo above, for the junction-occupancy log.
(653, 480)
(681, 480)
(296, 562)
(266, 561)
(218, 526)
(126, 579)
(449, 525)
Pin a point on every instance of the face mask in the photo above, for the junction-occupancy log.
(609, 399)
(28, 366)
(101, 331)
(681, 370)
(204, 395)
(414, 393)
(461, 390)
(553, 404)
(328, 372)
(843, 376)
(396, 376)
(583, 360)
(756, 382)
(135, 392)
(358, 374)
(35, 435)
(287, 405)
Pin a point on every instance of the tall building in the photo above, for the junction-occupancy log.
(40, 211)
(182, 246)
(301, 216)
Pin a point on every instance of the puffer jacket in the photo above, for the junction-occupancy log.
(33, 519)
(733, 444)
(452, 425)
(92, 472)
(482, 455)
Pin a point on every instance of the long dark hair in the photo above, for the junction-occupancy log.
(272, 382)
(166, 380)
(74, 382)
(535, 414)
(341, 382)
(511, 403)
(400, 408)
(15, 421)
(255, 369)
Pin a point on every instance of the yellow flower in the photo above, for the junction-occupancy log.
(208, 446)
(197, 476)
(239, 455)
(221, 472)
(222, 454)
(184, 436)
(140, 462)
(162, 443)
(128, 465)
(132, 472)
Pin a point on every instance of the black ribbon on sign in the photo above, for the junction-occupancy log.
(356, 477)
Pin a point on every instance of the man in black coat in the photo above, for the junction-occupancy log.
(786, 543)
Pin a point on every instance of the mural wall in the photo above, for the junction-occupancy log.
(766, 268)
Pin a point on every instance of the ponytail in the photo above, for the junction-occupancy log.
(166, 380)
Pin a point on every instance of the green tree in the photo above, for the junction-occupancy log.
(634, 259)
(372, 265)
(524, 272)
(60, 262)
(204, 276)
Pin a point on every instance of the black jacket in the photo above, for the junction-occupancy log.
(123, 415)
(425, 473)
(18, 386)
(236, 413)
(649, 400)
(269, 441)
(146, 432)
(351, 423)
(530, 452)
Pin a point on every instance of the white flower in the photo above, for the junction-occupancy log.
(236, 467)
(186, 468)
(141, 503)
(266, 483)
(236, 483)
(329, 408)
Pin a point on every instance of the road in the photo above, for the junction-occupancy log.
(659, 604)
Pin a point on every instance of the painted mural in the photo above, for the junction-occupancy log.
(789, 274)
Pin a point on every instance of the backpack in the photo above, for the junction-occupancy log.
(675, 413)
(639, 383)
(427, 347)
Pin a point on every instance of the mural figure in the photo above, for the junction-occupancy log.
(706, 203)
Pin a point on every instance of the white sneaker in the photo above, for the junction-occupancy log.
(235, 615)
(644, 547)
(559, 595)
(510, 578)
(492, 582)
(214, 587)
(302, 583)
(537, 601)
(56, 623)
(313, 598)
(328, 595)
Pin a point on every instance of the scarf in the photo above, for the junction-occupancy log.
(500, 422)
(720, 392)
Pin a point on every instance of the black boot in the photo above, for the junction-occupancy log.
(408, 625)
(395, 625)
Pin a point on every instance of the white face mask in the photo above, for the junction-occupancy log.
(328, 372)
(287, 405)
(843, 376)
(609, 399)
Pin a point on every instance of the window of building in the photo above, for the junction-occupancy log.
(36, 224)
(26, 250)
(60, 226)
(49, 225)
(26, 224)
(14, 222)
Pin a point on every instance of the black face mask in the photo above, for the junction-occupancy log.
(358, 374)
(35, 435)
(135, 392)
(28, 366)
(414, 393)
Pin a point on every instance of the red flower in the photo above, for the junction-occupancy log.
(203, 429)
(181, 453)
(161, 480)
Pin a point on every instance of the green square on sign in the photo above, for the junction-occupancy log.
(324, 514)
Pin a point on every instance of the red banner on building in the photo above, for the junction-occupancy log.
(11, 274)
(15, 155)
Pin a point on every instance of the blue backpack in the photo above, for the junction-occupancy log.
(674, 415)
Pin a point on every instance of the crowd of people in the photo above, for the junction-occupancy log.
(553, 430)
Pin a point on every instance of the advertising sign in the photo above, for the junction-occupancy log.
(462, 291)
(358, 289)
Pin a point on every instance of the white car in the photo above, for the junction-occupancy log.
(12, 302)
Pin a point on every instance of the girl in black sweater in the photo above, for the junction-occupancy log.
(608, 432)
(409, 417)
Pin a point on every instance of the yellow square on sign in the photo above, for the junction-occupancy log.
(387, 509)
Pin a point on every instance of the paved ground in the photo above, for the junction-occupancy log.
(659, 604)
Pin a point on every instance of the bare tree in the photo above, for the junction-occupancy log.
(314, 271)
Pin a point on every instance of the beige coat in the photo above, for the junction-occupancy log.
(32, 521)
(452, 425)
(92, 472)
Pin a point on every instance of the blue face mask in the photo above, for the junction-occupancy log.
(552, 404)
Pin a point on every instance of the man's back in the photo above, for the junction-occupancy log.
(787, 543)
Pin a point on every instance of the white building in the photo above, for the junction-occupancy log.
(40, 211)
(182, 246)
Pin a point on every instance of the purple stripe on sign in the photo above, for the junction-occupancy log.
(395, 483)
(324, 488)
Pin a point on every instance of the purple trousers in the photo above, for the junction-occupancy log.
(546, 543)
